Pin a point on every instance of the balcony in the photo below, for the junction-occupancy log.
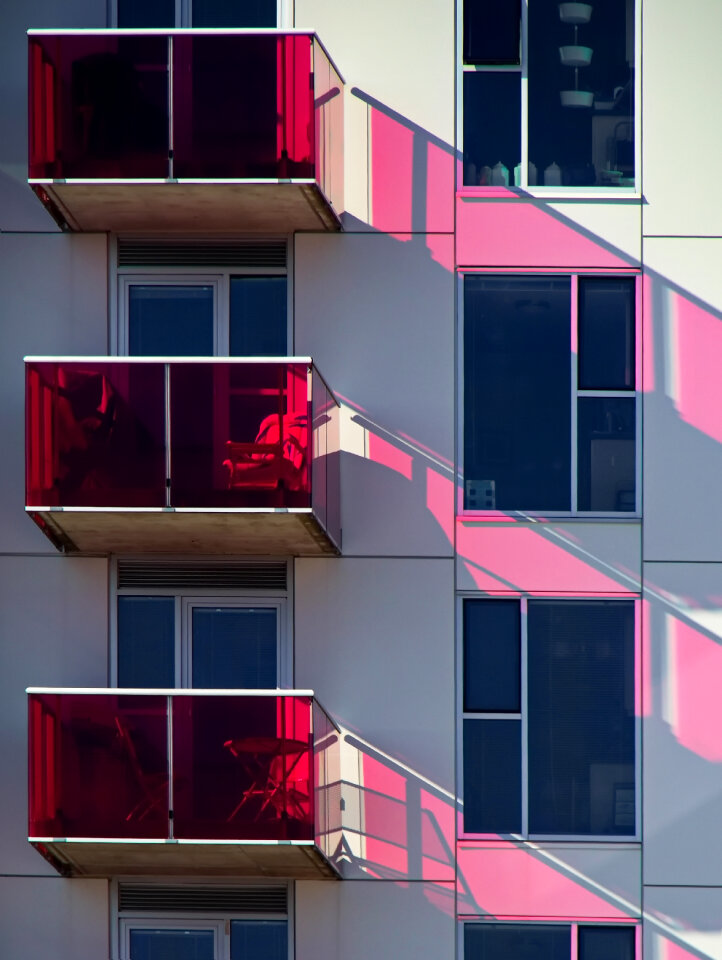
(214, 783)
(179, 130)
(144, 455)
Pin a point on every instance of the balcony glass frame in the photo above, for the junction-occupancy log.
(166, 764)
(153, 434)
(303, 142)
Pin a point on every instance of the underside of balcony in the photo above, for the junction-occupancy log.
(165, 207)
(80, 858)
(257, 532)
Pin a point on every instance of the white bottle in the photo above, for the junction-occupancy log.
(499, 175)
(553, 175)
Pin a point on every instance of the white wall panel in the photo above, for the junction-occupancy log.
(356, 921)
(19, 208)
(54, 629)
(374, 639)
(52, 917)
(682, 400)
(681, 138)
(682, 923)
(377, 315)
(682, 788)
(54, 302)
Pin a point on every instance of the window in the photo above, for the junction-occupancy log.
(549, 941)
(550, 410)
(200, 13)
(211, 638)
(202, 922)
(549, 94)
(200, 315)
(549, 727)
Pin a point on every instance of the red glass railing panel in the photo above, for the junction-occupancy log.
(326, 486)
(243, 106)
(327, 781)
(239, 435)
(328, 123)
(98, 106)
(98, 766)
(242, 768)
(95, 434)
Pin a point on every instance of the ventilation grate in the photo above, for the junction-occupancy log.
(201, 253)
(209, 575)
(155, 898)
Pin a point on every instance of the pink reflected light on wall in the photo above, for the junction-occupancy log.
(699, 358)
(392, 148)
(388, 455)
(696, 669)
(440, 492)
(439, 189)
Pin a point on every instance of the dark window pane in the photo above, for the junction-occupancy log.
(491, 655)
(581, 94)
(606, 943)
(146, 13)
(232, 13)
(171, 945)
(492, 128)
(581, 717)
(234, 647)
(170, 321)
(252, 939)
(492, 31)
(258, 317)
(492, 776)
(606, 333)
(517, 382)
(146, 642)
(606, 428)
(508, 941)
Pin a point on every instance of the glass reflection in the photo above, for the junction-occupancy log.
(606, 455)
(492, 128)
(581, 93)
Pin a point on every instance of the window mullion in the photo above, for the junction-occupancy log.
(524, 722)
(524, 178)
(575, 942)
(574, 358)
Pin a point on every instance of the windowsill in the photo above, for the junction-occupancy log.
(627, 194)
(512, 516)
(515, 839)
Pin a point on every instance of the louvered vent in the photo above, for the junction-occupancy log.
(209, 575)
(201, 253)
(136, 897)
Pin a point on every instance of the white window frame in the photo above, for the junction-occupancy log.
(574, 394)
(571, 922)
(183, 13)
(522, 716)
(185, 601)
(122, 922)
(590, 193)
(220, 280)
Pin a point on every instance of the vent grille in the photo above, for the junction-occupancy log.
(201, 253)
(208, 899)
(209, 575)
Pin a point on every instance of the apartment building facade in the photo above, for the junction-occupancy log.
(361, 578)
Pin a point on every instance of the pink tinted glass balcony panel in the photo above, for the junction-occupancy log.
(98, 766)
(239, 435)
(128, 766)
(98, 106)
(325, 457)
(243, 768)
(95, 434)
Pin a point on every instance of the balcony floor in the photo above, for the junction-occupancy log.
(105, 859)
(214, 207)
(269, 533)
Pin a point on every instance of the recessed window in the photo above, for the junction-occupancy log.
(554, 756)
(548, 941)
(198, 13)
(571, 67)
(550, 410)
